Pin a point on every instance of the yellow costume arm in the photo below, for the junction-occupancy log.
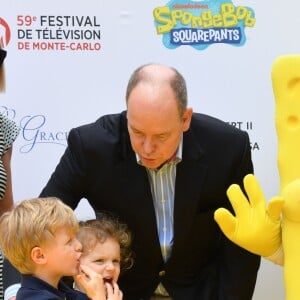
(254, 227)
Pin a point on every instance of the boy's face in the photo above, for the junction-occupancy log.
(63, 254)
(104, 259)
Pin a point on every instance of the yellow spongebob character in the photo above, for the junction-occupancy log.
(259, 228)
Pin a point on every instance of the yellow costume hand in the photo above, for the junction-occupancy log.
(255, 227)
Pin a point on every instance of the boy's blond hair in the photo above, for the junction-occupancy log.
(30, 224)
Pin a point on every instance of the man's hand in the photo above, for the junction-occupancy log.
(254, 227)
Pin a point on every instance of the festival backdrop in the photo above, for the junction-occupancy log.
(69, 62)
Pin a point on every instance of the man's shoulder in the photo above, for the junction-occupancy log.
(106, 122)
(107, 132)
(110, 127)
(210, 131)
(215, 125)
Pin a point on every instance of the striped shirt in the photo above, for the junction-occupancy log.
(162, 183)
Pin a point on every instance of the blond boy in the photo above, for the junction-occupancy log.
(39, 238)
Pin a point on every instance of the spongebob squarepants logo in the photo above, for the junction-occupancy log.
(202, 23)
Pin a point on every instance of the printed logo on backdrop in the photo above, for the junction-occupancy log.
(4, 33)
(200, 24)
(246, 126)
(34, 130)
(57, 33)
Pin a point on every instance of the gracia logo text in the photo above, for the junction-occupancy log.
(200, 24)
(34, 130)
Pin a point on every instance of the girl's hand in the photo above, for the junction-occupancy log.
(113, 291)
(92, 283)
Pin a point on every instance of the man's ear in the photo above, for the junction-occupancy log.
(187, 117)
(38, 256)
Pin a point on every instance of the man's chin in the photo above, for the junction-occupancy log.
(150, 164)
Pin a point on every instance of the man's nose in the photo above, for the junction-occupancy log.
(148, 145)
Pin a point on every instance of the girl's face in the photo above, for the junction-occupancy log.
(104, 259)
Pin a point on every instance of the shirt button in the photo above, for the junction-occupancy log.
(162, 273)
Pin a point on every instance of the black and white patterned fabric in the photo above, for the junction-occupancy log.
(8, 133)
(1, 275)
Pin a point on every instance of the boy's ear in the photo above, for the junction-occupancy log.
(37, 255)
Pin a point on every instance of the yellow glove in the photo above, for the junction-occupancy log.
(255, 227)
